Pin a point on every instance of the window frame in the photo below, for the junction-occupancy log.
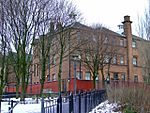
(54, 77)
(121, 42)
(134, 43)
(86, 75)
(121, 60)
(134, 60)
(136, 78)
(48, 78)
(78, 75)
(115, 59)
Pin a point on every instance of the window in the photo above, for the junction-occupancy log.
(53, 77)
(48, 77)
(134, 61)
(133, 43)
(121, 42)
(115, 59)
(125, 42)
(54, 60)
(135, 78)
(106, 40)
(88, 75)
(123, 76)
(121, 60)
(88, 57)
(48, 64)
(107, 57)
(78, 35)
(37, 70)
(79, 75)
(97, 78)
(34, 70)
(113, 41)
(116, 76)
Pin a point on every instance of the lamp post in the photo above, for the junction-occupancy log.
(75, 57)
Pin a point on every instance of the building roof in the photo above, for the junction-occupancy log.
(79, 25)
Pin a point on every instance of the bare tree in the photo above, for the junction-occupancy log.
(99, 52)
(55, 41)
(3, 54)
(143, 30)
(66, 15)
(24, 19)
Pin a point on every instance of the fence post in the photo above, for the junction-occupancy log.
(71, 103)
(11, 106)
(79, 102)
(86, 95)
(37, 99)
(42, 105)
(0, 105)
(58, 105)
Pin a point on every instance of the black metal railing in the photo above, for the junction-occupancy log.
(83, 102)
(80, 103)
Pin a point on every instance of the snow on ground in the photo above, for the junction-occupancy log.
(106, 107)
(32, 107)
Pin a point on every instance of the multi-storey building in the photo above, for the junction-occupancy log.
(126, 64)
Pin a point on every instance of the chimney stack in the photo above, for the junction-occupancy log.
(128, 35)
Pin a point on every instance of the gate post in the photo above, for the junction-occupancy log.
(11, 106)
(86, 98)
(60, 104)
(79, 102)
(71, 103)
(42, 105)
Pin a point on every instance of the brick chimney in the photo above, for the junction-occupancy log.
(128, 35)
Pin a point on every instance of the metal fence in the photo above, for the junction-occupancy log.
(80, 103)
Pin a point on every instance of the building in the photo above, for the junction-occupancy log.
(125, 65)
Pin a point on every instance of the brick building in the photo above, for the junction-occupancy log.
(126, 64)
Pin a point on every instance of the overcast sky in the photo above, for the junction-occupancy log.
(111, 12)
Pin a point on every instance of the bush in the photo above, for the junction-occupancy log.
(136, 98)
(129, 110)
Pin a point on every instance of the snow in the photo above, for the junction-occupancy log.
(106, 107)
(32, 107)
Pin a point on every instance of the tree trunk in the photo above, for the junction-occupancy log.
(94, 82)
(43, 76)
(17, 88)
(59, 71)
(24, 73)
(103, 78)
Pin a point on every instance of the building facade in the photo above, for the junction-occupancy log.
(125, 65)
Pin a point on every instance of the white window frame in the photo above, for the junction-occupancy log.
(78, 75)
(133, 44)
(89, 75)
(134, 61)
(121, 60)
(115, 59)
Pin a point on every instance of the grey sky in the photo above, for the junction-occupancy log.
(111, 12)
